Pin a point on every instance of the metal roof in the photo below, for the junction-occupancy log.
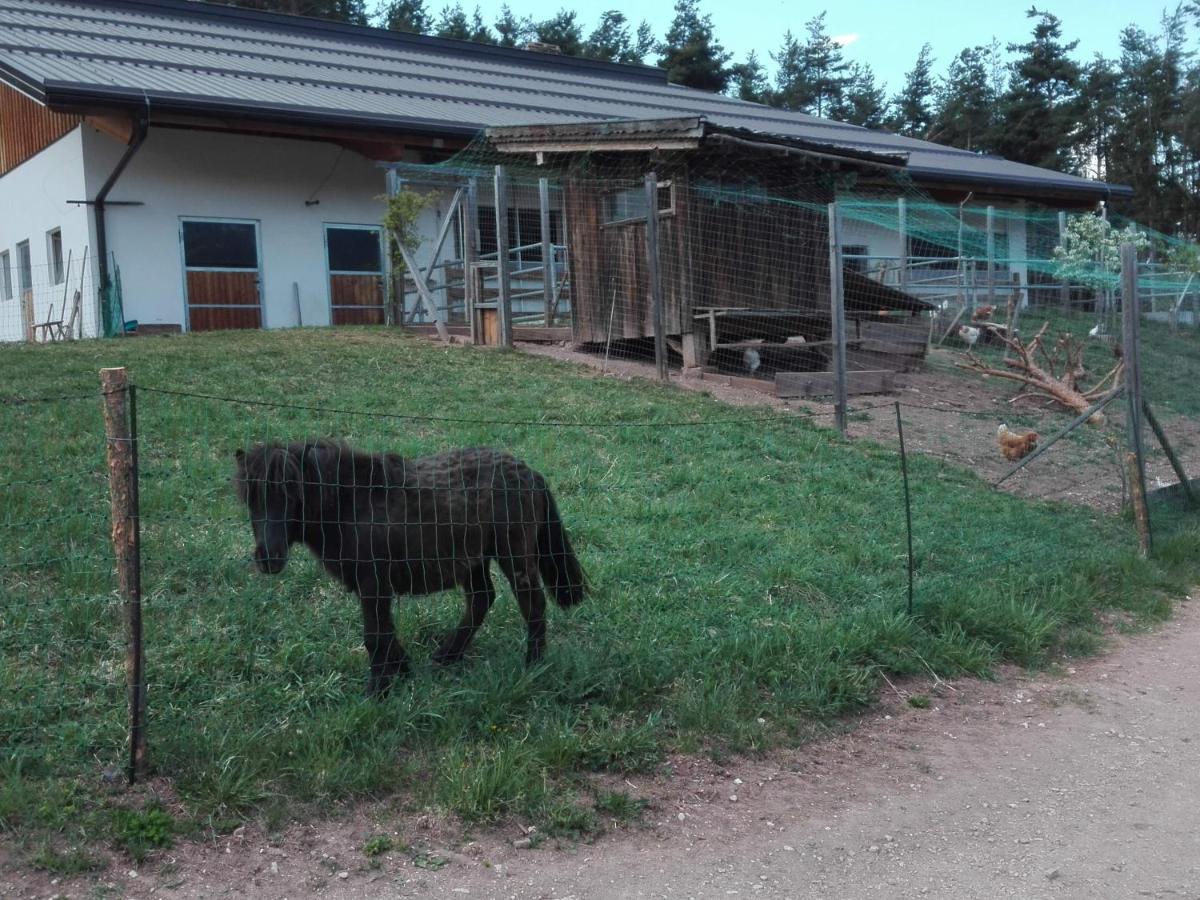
(185, 57)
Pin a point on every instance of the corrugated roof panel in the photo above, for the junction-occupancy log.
(172, 51)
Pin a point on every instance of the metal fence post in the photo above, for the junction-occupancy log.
(907, 505)
(991, 255)
(1136, 458)
(837, 311)
(902, 216)
(504, 298)
(653, 274)
(549, 289)
(1064, 289)
(120, 426)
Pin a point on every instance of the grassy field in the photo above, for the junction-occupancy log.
(749, 574)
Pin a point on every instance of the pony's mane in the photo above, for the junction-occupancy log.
(277, 463)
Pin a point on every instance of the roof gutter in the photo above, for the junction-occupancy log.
(141, 127)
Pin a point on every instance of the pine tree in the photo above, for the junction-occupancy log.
(912, 108)
(1100, 116)
(691, 53)
(612, 41)
(749, 81)
(965, 114)
(1039, 111)
(353, 12)
(453, 22)
(863, 102)
(407, 15)
(810, 77)
(562, 31)
(511, 31)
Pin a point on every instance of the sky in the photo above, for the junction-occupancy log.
(888, 34)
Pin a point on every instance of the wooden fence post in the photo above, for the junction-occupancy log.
(120, 426)
(1064, 289)
(1136, 459)
(503, 273)
(470, 227)
(991, 255)
(654, 275)
(837, 311)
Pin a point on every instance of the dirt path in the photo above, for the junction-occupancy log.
(1080, 785)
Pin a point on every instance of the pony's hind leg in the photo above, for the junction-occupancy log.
(387, 657)
(522, 575)
(480, 595)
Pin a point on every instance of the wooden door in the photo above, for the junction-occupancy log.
(222, 274)
(354, 256)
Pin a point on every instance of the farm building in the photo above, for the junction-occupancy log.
(220, 168)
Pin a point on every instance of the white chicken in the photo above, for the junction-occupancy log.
(969, 335)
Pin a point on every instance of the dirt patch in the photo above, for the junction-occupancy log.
(954, 416)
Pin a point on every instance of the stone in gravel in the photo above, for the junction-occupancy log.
(523, 843)
(1052, 874)
(343, 875)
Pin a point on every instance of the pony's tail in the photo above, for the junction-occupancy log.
(557, 562)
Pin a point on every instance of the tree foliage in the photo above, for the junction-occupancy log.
(691, 53)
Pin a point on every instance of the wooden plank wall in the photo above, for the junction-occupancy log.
(769, 256)
(27, 127)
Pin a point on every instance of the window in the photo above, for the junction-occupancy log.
(629, 204)
(54, 256)
(24, 269)
(354, 250)
(6, 276)
(220, 245)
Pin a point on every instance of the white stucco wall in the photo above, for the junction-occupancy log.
(33, 201)
(181, 173)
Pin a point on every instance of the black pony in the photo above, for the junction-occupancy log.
(386, 525)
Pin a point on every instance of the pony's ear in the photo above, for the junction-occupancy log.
(239, 454)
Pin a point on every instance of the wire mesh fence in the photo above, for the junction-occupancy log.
(732, 538)
(56, 301)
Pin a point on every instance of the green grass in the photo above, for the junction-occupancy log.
(749, 589)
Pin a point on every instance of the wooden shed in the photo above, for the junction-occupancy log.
(743, 230)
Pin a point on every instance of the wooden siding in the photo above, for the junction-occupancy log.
(27, 128)
(356, 299)
(765, 256)
(223, 318)
(222, 288)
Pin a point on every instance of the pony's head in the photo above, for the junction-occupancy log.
(270, 483)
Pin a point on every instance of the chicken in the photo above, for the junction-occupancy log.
(983, 314)
(1015, 446)
(969, 335)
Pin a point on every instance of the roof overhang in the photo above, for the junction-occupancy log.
(680, 133)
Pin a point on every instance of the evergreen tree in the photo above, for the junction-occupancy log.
(511, 31)
(691, 53)
(1100, 116)
(611, 39)
(750, 81)
(407, 15)
(562, 31)
(1039, 111)
(810, 77)
(453, 22)
(353, 12)
(912, 108)
(863, 102)
(966, 103)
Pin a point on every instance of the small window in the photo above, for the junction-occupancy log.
(220, 245)
(629, 204)
(54, 256)
(24, 269)
(6, 292)
(354, 250)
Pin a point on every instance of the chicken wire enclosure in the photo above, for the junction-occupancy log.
(445, 231)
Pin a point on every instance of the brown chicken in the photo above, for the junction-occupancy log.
(983, 314)
(1016, 446)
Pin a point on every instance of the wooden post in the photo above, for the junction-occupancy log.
(907, 505)
(1172, 457)
(991, 255)
(1133, 393)
(120, 426)
(837, 311)
(550, 280)
(652, 272)
(1064, 289)
(902, 214)
(504, 299)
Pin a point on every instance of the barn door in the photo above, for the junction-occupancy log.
(222, 275)
(354, 254)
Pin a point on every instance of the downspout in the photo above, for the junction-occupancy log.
(141, 127)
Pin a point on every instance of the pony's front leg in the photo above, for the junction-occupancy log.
(480, 595)
(387, 657)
